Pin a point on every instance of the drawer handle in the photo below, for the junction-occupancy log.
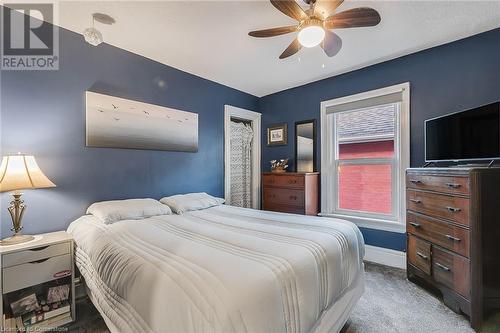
(453, 209)
(39, 248)
(39, 261)
(415, 201)
(292, 181)
(416, 225)
(293, 197)
(453, 185)
(421, 255)
(443, 267)
(416, 181)
(450, 237)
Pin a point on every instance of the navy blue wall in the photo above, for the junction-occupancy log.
(444, 79)
(43, 113)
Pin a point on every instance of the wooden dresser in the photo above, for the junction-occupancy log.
(291, 192)
(453, 225)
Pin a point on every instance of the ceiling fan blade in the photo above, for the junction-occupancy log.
(331, 44)
(325, 8)
(293, 48)
(273, 31)
(290, 8)
(353, 18)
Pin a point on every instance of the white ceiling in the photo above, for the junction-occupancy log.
(209, 38)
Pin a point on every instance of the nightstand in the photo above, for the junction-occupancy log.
(41, 267)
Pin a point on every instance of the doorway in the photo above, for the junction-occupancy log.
(242, 136)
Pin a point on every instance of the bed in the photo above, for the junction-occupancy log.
(221, 269)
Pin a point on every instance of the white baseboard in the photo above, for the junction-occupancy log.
(385, 256)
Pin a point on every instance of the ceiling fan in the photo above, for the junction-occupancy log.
(315, 24)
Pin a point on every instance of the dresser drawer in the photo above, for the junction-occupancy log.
(284, 196)
(291, 181)
(268, 180)
(445, 184)
(438, 205)
(274, 207)
(451, 270)
(446, 235)
(34, 254)
(36, 272)
(419, 254)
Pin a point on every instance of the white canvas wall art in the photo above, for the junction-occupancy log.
(121, 123)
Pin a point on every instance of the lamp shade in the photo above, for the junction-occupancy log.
(19, 172)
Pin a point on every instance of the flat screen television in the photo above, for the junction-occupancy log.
(471, 135)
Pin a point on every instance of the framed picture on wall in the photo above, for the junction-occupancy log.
(277, 135)
(114, 122)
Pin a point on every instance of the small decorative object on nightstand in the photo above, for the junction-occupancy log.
(20, 172)
(37, 286)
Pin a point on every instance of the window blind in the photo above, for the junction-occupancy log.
(364, 103)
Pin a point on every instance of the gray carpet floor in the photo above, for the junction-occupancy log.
(390, 304)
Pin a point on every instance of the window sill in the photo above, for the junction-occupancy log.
(369, 223)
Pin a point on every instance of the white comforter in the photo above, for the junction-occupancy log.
(222, 269)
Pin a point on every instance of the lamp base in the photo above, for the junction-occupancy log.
(16, 239)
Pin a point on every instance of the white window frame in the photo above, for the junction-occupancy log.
(329, 179)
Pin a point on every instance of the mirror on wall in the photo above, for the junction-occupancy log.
(305, 146)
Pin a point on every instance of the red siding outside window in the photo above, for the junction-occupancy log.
(376, 149)
(366, 188)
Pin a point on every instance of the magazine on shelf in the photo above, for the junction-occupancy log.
(40, 326)
(54, 309)
(24, 303)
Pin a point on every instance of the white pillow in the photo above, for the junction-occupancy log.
(182, 203)
(130, 209)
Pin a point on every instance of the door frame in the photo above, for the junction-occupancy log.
(255, 119)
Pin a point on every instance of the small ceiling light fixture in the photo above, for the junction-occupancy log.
(94, 36)
(312, 33)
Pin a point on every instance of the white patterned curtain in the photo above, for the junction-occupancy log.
(241, 164)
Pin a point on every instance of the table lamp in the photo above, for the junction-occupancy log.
(20, 172)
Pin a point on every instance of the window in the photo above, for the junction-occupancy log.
(365, 157)
(365, 160)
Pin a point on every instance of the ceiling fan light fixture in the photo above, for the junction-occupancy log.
(315, 24)
(312, 34)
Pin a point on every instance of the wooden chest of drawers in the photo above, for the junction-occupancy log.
(291, 192)
(453, 227)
